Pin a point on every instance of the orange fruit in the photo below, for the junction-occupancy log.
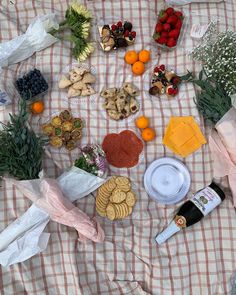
(148, 134)
(37, 107)
(142, 122)
(131, 57)
(144, 56)
(138, 68)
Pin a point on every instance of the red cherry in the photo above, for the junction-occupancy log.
(119, 24)
(162, 68)
(170, 91)
(133, 34)
(156, 70)
(126, 34)
(114, 27)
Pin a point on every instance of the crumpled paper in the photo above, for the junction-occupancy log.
(222, 142)
(35, 39)
(24, 237)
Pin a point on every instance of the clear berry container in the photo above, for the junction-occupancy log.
(181, 34)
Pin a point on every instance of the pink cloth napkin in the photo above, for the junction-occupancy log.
(223, 148)
(47, 195)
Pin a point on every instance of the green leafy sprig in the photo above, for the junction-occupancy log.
(21, 150)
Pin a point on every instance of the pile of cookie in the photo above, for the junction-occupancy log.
(121, 102)
(79, 81)
(115, 199)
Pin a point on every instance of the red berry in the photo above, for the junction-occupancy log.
(175, 91)
(166, 27)
(178, 25)
(161, 40)
(170, 11)
(114, 27)
(126, 34)
(159, 27)
(176, 80)
(119, 24)
(179, 14)
(174, 34)
(172, 20)
(170, 91)
(133, 34)
(162, 16)
(171, 42)
(162, 68)
(156, 70)
(164, 34)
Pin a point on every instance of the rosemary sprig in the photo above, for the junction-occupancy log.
(21, 149)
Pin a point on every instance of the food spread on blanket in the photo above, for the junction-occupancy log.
(137, 60)
(115, 198)
(116, 35)
(168, 27)
(31, 84)
(183, 136)
(164, 82)
(123, 149)
(64, 130)
(78, 81)
(93, 160)
(120, 103)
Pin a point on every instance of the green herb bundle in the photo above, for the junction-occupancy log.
(78, 21)
(212, 101)
(21, 150)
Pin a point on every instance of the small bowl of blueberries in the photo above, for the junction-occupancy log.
(32, 84)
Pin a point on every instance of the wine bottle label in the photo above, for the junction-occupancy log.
(206, 200)
(180, 221)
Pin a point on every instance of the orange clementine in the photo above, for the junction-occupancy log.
(131, 57)
(148, 134)
(142, 122)
(144, 56)
(138, 68)
(37, 107)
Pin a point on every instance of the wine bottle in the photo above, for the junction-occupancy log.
(192, 211)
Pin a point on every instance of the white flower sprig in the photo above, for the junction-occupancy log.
(218, 55)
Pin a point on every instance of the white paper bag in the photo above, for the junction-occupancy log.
(35, 39)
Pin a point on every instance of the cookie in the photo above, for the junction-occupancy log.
(130, 199)
(117, 196)
(111, 211)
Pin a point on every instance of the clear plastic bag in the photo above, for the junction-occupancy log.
(184, 2)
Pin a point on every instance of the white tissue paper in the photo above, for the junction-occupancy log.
(183, 2)
(35, 39)
(24, 237)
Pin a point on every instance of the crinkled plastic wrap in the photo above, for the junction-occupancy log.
(25, 238)
(35, 39)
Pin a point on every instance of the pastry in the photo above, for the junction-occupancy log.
(73, 92)
(88, 78)
(64, 82)
(56, 121)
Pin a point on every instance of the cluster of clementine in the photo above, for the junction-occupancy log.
(137, 60)
(147, 132)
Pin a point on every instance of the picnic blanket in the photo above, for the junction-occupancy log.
(200, 260)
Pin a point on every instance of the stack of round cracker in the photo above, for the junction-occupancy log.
(115, 199)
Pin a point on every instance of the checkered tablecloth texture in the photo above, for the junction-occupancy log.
(200, 260)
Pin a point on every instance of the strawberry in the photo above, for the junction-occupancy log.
(166, 27)
(170, 11)
(164, 34)
(179, 14)
(159, 27)
(163, 16)
(161, 40)
(114, 27)
(171, 42)
(178, 25)
(174, 34)
(126, 34)
(119, 24)
(176, 80)
(172, 20)
(156, 69)
(133, 34)
(162, 68)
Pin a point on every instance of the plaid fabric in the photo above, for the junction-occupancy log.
(197, 261)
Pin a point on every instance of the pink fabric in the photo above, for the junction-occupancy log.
(223, 148)
(47, 195)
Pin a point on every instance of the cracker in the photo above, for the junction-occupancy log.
(122, 180)
(124, 187)
(130, 209)
(130, 199)
(117, 196)
(111, 211)
(101, 212)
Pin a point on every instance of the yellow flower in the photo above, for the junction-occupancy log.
(80, 9)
